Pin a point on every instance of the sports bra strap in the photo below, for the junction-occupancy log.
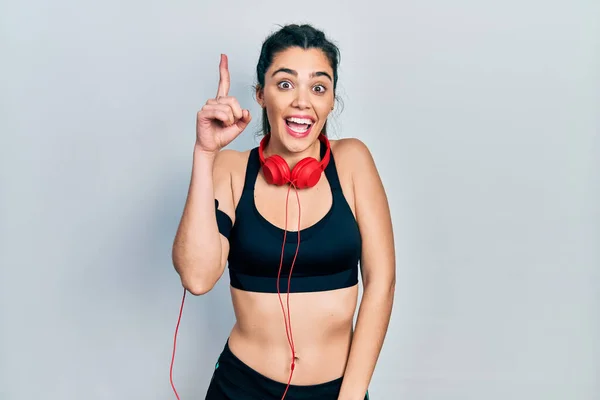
(252, 169)
(331, 170)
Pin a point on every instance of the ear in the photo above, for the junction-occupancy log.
(260, 96)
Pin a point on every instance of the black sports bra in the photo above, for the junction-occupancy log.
(329, 250)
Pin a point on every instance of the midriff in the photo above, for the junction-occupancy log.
(321, 328)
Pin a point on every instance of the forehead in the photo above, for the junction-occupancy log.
(304, 61)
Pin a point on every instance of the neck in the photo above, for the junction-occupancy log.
(274, 146)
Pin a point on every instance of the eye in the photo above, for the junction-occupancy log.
(284, 85)
(321, 89)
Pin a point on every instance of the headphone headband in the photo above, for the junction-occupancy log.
(306, 172)
(323, 163)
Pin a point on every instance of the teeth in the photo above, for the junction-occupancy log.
(301, 130)
(305, 121)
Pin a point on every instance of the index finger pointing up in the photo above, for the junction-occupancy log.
(224, 79)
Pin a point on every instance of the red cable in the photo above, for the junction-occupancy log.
(175, 343)
(289, 320)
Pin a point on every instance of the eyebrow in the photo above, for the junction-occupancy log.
(292, 72)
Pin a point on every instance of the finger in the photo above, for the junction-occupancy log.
(243, 122)
(224, 78)
(221, 113)
(233, 103)
(234, 131)
(229, 105)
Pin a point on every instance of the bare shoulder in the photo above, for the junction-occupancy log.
(229, 171)
(229, 158)
(352, 155)
(348, 144)
(230, 162)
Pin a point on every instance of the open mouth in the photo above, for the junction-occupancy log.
(299, 125)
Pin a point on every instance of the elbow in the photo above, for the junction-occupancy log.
(381, 287)
(197, 281)
(198, 275)
(197, 288)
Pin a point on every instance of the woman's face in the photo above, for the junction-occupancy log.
(298, 96)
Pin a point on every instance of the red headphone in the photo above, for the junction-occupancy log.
(305, 174)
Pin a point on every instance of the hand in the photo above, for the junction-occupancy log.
(221, 119)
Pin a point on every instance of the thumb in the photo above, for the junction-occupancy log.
(236, 129)
(243, 122)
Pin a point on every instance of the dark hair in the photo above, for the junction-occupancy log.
(304, 36)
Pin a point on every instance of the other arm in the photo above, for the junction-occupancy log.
(378, 268)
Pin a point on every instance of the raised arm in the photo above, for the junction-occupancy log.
(201, 247)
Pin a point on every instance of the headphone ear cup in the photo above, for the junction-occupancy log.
(306, 173)
(276, 170)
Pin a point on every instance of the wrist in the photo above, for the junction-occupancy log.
(204, 154)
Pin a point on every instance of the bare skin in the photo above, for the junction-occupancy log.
(322, 331)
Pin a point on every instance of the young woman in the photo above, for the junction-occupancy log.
(292, 218)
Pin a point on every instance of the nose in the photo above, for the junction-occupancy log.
(301, 99)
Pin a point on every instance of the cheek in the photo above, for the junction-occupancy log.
(324, 110)
(275, 101)
(274, 111)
